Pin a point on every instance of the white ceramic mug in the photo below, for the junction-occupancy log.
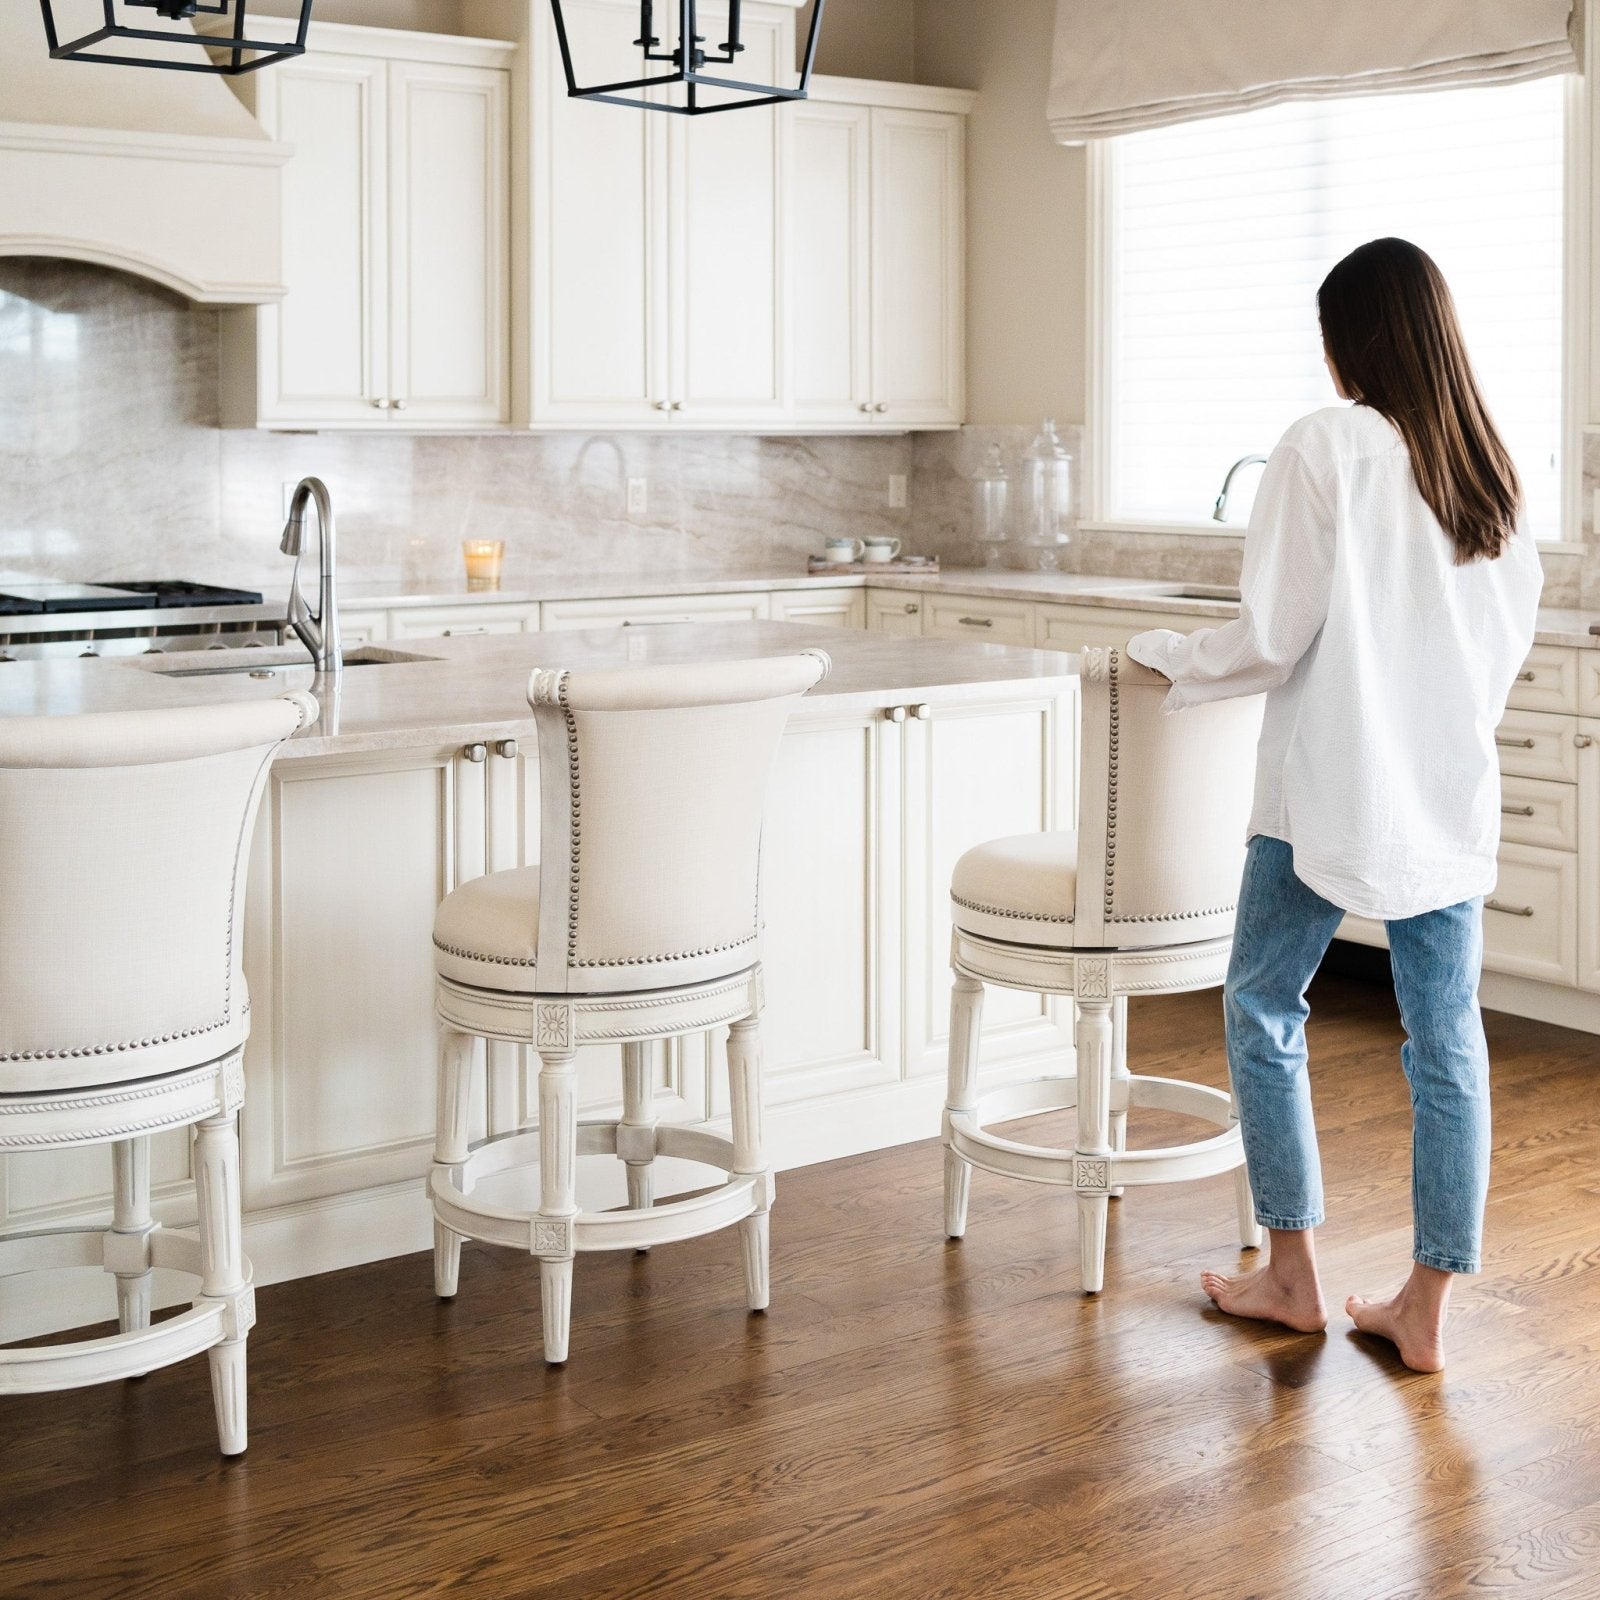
(842, 551)
(880, 549)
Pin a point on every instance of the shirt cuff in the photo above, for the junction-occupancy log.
(1150, 649)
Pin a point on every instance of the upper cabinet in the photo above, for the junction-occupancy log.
(876, 246)
(657, 241)
(468, 247)
(396, 239)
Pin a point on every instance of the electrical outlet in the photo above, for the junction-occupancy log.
(897, 491)
(638, 496)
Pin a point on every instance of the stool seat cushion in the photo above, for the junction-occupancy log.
(486, 932)
(1023, 889)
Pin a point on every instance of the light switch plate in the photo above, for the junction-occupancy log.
(638, 496)
(897, 491)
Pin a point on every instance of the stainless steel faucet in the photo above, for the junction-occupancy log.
(1219, 512)
(318, 629)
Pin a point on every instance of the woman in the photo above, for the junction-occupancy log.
(1389, 593)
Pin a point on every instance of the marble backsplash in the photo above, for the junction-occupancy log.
(112, 464)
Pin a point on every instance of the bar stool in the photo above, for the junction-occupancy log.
(124, 844)
(641, 922)
(1140, 900)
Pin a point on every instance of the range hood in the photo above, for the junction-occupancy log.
(162, 174)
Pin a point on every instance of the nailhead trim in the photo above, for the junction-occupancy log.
(575, 793)
(1111, 791)
(479, 955)
(1000, 911)
(617, 961)
(1177, 916)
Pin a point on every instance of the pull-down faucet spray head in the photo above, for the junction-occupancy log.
(1219, 512)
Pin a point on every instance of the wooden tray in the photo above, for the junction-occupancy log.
(817, 567)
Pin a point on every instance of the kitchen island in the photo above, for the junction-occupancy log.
(423, 773)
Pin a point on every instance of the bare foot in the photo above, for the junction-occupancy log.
(1269, 1296)
(1413, 1327)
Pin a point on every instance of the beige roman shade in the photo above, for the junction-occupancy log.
(1123, 65)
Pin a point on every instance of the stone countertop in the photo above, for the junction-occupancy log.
(466, 690)
(1556, 626)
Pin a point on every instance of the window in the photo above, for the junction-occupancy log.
(1218, 233)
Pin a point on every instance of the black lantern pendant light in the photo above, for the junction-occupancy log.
(688, 59)
(226, 47)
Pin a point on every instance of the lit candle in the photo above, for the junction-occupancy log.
(483, 562)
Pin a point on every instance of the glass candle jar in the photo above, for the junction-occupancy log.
(483, 557)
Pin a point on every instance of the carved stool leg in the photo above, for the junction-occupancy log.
(639, 1117)
(130, 1221)
(1091, 1158)
(961, 1094)
(456, 1051)
(553, 1241)
(744, 1086)
(222, 1271)
(1119, 1080)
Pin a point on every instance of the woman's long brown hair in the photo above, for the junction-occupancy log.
(1389, 326)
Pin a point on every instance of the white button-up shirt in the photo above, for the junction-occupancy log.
(1386, 669)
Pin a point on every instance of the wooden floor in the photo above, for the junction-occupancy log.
(913, 1418)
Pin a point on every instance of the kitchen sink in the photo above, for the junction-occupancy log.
(1196, 591)
(366, 656)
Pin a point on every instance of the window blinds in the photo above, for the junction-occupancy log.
(1124, 65)
(1218, 235)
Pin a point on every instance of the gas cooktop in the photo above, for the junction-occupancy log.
(29, 599)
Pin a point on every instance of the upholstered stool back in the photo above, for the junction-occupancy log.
(652, 784)
(122, 865)
(1163, 805)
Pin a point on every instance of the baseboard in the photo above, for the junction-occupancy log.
(1540, 1002)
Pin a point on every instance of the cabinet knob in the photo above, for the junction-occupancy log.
(881, 407)
(400, 405)
(475, 752)
(1524, 677)
(866, 405)
(912, 608)
(895, 713)
(923, 713)
(1583, 740)
(677, 405)
(661, 405)
(506, 748)
(380, 405)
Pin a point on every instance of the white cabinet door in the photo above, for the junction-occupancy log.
(918, 245)
(362, 627)
(892, 612)
(599, 231)
(351, 858)
(829, 281)
(449, 147)
(1588, 747)
(323, 352)
(832, 608)
(1530, 922)
(973, 773)
(726, 183)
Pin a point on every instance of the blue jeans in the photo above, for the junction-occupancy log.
(1281, 934)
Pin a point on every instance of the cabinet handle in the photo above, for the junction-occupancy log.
(923, 713)
(1510, 911)
(381, 405)
(475, 752)
(508, 749)
(1514, 744)
(978, 622)
(895, 713)
(881, 407)
(1516, 811)
(1524, 677)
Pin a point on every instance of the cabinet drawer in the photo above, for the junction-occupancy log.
(1539, 812)
(562, 615)
(363, 627)
(456, 622)
(829, 608)
(1530, 921)
(1537, 744)
(1109, 627)
(1548, 680)
(991, 621)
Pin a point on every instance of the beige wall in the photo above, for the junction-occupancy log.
(1026, 210)
(424, 16)
(867, 39)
